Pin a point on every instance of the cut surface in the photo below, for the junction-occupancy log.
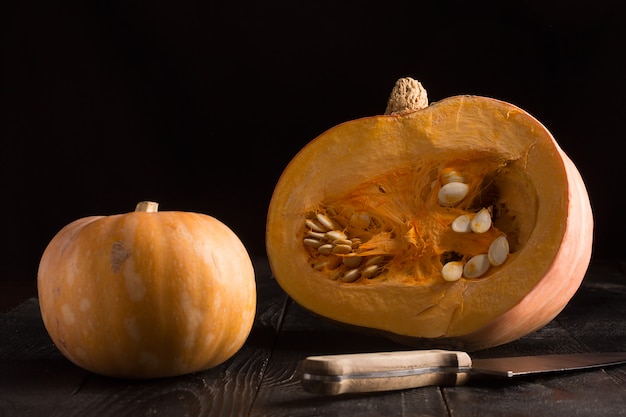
(392, 186)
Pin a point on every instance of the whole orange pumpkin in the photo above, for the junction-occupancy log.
(147, 294)
(457, 224)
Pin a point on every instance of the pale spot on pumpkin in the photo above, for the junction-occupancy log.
(193, 319)
(68, 314)
(209, 339)
(132, 328)
(84, 305)
(71, 268)
(134, 283)
(233, 346)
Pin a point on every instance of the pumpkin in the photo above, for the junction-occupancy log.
(459, 224)
(147, 294)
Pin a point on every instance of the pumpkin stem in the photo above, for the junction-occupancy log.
(147, 206)
(408, 95)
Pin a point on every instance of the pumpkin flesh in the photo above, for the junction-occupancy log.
(390, 167)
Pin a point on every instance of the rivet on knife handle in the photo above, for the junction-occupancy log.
(385, 371)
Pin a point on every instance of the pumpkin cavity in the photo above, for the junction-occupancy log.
(400, 217)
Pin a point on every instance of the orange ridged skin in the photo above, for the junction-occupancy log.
(144, 295)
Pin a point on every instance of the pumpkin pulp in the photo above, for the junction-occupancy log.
(411, 230)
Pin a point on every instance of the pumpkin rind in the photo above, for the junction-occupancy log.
(143, 295)
(537, 183)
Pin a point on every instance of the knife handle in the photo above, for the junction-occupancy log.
(384, 371)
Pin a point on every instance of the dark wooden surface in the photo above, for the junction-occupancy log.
(262, 380)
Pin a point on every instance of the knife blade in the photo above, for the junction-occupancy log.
(388, 371)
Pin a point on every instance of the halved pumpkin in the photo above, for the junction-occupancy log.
(360, 225)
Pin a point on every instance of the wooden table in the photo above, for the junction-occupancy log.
(261, 379)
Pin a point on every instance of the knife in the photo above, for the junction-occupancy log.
(387, 371)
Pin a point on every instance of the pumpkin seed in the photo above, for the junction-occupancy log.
(326, 249)
(359, 220)
(342, 242)
(325, 234)
(450, 175)
(481, 222)
(319, 265)
(336, 275)
(462, 223)
(498, 251)
(371, 271)
(314, 243)
(452, 193)
(326, 222)
(315, 226)
(341, 249)
(375, 260)
(352, 261)
(316, 235)
(335, 235)
(476, 266)
(351, 276)
(452, 271)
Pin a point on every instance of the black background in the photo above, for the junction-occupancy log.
(200, 105)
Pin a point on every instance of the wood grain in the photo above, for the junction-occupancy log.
(304, 334)
(51, 385)
(263, 378)
(34, 376)
(590, 322)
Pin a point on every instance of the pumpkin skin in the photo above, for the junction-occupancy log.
(147, 294)
(390, 167)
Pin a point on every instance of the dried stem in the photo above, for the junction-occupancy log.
(147, 206)
(408, 95)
